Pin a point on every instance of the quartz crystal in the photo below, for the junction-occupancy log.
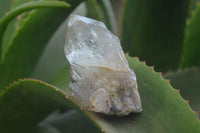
(101, 79)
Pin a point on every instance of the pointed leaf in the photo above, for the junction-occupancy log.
(188, 82)
(4, 6)
(108, 14)
(190, 56)
(14, 25)
(26, 103)
(102, 10)
(94, 10)
(25, 7)
(64, 121)
(154, 31)
(163, 108)
(29, 42)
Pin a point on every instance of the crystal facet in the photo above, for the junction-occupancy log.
(101, 78)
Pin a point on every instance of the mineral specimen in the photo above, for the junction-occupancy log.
(101, 79)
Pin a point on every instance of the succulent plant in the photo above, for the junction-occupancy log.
(34, 75)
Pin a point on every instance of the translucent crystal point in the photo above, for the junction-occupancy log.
(101, 79)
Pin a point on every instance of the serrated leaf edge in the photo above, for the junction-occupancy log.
(173, 89)
(76, 105)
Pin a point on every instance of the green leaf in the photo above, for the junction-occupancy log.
(62, 79)
(190, 55)
(47, 129)
(193, 5)
(154, 31)
(26, 103)
(163, 108)
(25, 7)
(29, 42)
(102, 10)
(108, 14)
(188, 82)
(94, 10)
(4, 6)
(118, 9)
(14, 25)
(64, 121)
(45, 69)
(53, 57)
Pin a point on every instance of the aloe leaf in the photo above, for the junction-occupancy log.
(190, 54)
(54, 52)
(59, 119)
(163, 108)
(4, 6)
(193, 6)
(47, 129)
(24, 7)
(45, 69)
(154, 31)
(102, 10)
(188, 82)
(118, 9)
(109, 17)
(29, 42)
(32, 101)
(13, 25)
(62, 79)
(94, 10)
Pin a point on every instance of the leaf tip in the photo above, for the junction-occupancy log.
(103, 130)
(82, 109)
(197, 113)
(92, 118)
(178, 90)
(160, 73)
(67, 4)
(187, 101)
(68, 97)
(9, 86)
(137, 58)
(58, 90)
